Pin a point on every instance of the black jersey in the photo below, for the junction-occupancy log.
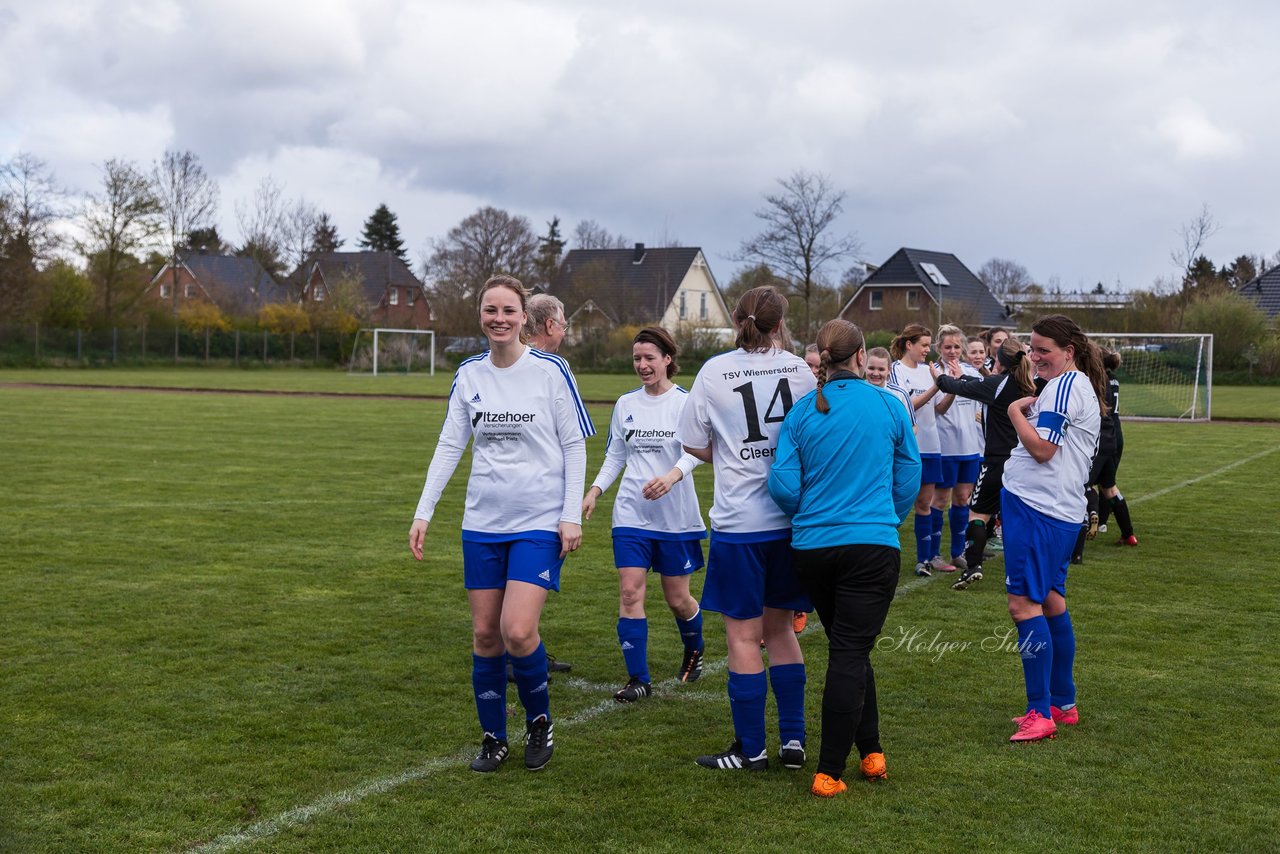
(997, 391)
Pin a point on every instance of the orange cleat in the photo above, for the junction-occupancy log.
(874, 768)
(799, 621)
(826, 786)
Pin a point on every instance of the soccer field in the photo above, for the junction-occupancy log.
(215, 639)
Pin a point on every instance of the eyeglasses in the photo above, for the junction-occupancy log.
(564, 324)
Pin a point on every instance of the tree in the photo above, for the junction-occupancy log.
(345, 306)
(1240, 272)
(382, 233)
(1235, 321)
(119, 223)
(1192, 237)
(1004, 278)
(67, 296)
(753, 276)
(796, 241)
(188, 200)
(589, 234)
(285, 319)
(550, 248)
(262, 224)
(205, 241)
(487, 242)
(324, 236)
(30, 203)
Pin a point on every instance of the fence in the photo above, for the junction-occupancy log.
(38, 345)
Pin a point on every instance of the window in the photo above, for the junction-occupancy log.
(684, 310)
(875, 300)
(913, 299)
(409, 295)
(188, 291)
(165, 291)
(702, 307)
(934, 273)
(394, 298)
(317, 293)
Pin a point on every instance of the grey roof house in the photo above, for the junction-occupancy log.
(925, 286)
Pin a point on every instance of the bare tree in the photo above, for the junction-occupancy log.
(589, 234)
(188, 200)
(795, 241)
(30, 203)
(297, 239)
(261, 220)
(119, 223)
(1192, 237)
(1005, 278)
(488, 241)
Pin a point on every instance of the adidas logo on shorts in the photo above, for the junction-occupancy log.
(688, 564)
(545, 575)
(489, 695)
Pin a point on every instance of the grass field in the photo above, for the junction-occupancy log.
(215, 639)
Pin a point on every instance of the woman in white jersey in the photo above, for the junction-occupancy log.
(656, 521)
(961, 441)
(731, 419)
(911, 373)
(878, 361)
(1042, 504)
(521, 411)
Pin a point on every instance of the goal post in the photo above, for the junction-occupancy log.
(1164, 376)
(385, 349)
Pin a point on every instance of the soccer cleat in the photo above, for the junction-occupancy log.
(874, 768)
(937, 563)
(634, 690)
(959, 562)
(538, 743)
(691, 667)
(734, 759)
(826, 786)
(1034, 726)
(1130, 540)
(791, 754)
(1093, 525)
(555, 665)
(1070, 717)
(968, 577)
(922, 570)
(493, 752)
(799, 621)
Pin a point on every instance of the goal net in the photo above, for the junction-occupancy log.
(384, 350)
(1164, 376)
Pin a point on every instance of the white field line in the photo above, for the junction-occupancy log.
(329, 803)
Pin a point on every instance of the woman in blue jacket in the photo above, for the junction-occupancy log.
(847, 471)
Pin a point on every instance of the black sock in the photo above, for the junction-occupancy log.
(1091, 501)
(1121, 508)
(1077, 553)
(1104, 511)
(975, 542)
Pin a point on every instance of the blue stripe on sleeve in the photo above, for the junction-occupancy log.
(584, 421)
(1052, 421)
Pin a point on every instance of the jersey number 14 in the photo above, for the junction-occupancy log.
(781, 399)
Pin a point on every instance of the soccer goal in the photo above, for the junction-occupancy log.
(388, 350)
(1163, 376)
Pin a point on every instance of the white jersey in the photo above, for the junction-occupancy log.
(915, 382)
(1066, 414)
(520, 420)
(901, 395)
(642, 437)
(736, 406)
(960, 427)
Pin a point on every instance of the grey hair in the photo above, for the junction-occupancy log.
(542, 307)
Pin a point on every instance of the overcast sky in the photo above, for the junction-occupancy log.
(1074, 138)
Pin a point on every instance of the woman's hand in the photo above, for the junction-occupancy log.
(589, 502)
(660, 486)
(1022, 406)
(570, 537)
(417, 533)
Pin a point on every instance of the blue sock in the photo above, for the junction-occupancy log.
(633, 637)
(691, 630)
(935, 532)
(787, 681)
(489, 682)
(924, 535)
(958, 518)
(1036, 647)
(531, 682)
(1062, 687)
(746, 703)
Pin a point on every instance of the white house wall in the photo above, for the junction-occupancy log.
(697, 281)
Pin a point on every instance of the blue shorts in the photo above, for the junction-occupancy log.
(1037, 549)
(745, 578)
(533, 559)
(959, 470)
(930, 468)
(666, 557)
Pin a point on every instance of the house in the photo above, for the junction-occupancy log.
(918, 285)
(396, 297)
(234, 284)
(1265, 291)
(670, 287)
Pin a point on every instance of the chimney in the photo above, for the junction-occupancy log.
(639, 254)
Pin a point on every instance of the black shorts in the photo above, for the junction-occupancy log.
(986, 489)
(1103, 473)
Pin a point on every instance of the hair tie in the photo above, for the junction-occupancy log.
(751, 317)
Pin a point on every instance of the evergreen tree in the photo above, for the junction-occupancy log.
(382, 233)
(324, 237)
(550, 247)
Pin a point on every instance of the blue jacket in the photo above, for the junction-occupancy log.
(849, 477)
